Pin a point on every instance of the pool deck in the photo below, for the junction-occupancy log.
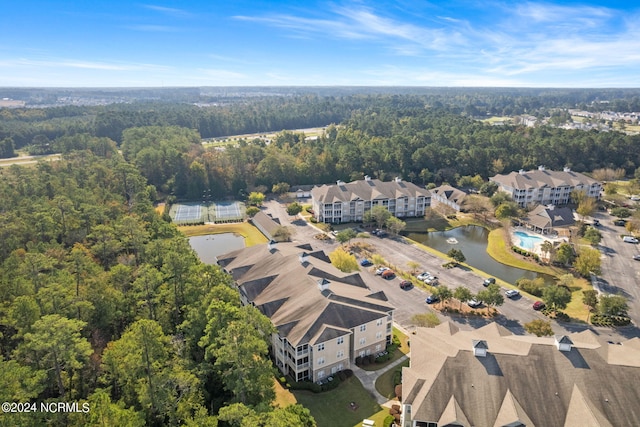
(536, 247)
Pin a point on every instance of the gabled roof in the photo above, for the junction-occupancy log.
(550, 216)
(372, 189)
(449, 193)
(525, 380)
(543, 178)
(303, 299)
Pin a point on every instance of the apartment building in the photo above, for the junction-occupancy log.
(347, 202)
(545, 187)
(324, 318)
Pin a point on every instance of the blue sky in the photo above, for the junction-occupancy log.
(366, 42)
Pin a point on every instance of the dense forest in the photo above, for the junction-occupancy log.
(102, 301)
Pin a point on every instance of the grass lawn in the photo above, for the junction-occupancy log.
(440, 223)
(576, 309)
(284, 397)
(332, 408)
(252, 236)
(384, 383)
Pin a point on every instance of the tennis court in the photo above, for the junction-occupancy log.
(191, 213)
(228, 211)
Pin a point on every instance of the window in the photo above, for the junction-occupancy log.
(379, 322)
(378, 347)
(340, 354)
(320, 347)
(363, 328)
(320, 360)
(362, 341)
(340, 340)
(320, 374)
(378, 335)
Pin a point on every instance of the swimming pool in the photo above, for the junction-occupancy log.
(527, 241)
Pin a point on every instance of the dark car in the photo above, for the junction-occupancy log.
(432, 299)
(620, 222)
(596, 223)
(405, 284)
(538, 305)
(366, 263)
(488, 282)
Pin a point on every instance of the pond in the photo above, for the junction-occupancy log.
(472, 241)
(210, 246)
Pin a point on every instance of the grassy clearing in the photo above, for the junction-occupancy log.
(284, 397)
(576, 309)
(440, 223)
(252, 236)
(385, 384)
(333, 409)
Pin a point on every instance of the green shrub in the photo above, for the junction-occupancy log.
(313, 220)
(388, 421)
(603, 320)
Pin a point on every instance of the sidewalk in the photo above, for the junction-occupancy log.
(368, 380)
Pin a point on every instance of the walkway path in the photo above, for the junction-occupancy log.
(368, 380)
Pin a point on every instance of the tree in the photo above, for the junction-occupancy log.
(506, 210)
(256, 198)
(456, 255)
(395, 225)
(590, 299)
(343, 261)
(57, 343)
(556, 297)
(621, 212)
(565, 254)
(462, 294)
(282, 233)
(547, 248)
(413, 266)
(280, 188)
(489, 188)
(588, 262)
(252, 211)
(444, 293)
(491, 296)
(613, 305)
(586, 207)
(345, 236)
(592, 236)
(539, 327)
(379, 215)
(294, 209)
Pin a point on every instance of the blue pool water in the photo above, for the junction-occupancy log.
(527, 241)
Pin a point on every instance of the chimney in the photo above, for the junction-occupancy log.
(551, 207)
(304, 258)
(566, 169)
(480, 348)
(397, 179)
(272, 245)
(541, 168)
(563, 342)
(521, 172)
(367, 178)
(323, 284)
(339, 182)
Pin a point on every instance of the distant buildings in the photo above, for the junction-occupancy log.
(490, 377)
(324, 318)
(346, 202)
(545, 187)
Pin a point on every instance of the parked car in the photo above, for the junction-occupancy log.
(596, 223)
(388, 274)
(538, 305)
(620, 222)
(431, 299)
(512, 293)
(629, 239)
(366, 263)
(474, 303)
(405, 284)
(423, 276)
(636, 257)
(381, 270)
(488, 281)
(433, 280)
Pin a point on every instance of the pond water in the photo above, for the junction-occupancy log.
(472, 241)
(210, 246)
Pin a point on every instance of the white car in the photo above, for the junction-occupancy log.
(512, 293)
(431, 280)
(629, 239)
(474, 303)
(423, 276)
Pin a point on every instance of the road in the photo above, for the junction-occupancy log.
(398, 251)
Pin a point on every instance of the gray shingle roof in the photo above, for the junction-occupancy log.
(367, 190)
(543, 178)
